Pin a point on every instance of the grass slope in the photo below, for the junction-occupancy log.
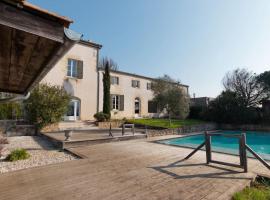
(165, 123)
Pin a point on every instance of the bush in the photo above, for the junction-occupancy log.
(10, 111)
(18, 154)
(196, 112)
(46, 105)
(228, 108)
(101, 117)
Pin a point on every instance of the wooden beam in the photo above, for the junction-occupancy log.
(19, 19)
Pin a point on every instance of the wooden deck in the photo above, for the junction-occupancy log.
(135, 169)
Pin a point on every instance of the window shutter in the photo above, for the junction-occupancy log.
(80, 69)
(122, 102)
(152, 107)
(138, 84)
(111, 101)
(133, 83)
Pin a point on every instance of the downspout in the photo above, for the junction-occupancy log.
(16, 98)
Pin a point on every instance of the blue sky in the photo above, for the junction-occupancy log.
(195, 41)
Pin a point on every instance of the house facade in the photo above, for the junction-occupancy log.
(78, 73)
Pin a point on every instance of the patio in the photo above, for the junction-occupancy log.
(136, 169)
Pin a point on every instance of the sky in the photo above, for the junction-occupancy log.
(194, 41)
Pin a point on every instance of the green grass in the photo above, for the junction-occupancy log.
(165, 123)
(253, 193)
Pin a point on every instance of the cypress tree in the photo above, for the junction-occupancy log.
(106, 90)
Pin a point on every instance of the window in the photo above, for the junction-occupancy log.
(114, 80)
(135, 84)
(152, 107)
(75, 68)
(149, 86)
(117, 102)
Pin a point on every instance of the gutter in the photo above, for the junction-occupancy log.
(16, 98)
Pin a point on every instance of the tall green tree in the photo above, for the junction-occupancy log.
(106, 90)
(169, 96)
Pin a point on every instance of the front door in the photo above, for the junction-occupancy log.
(73, 112)
(137, 107)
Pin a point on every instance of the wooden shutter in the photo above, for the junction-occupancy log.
(80, 69)
(122, 102)
(111, 101)
(138, 84)
(133, 83)
(152, 107)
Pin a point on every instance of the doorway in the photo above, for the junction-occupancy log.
(137, 107)
(73, 112)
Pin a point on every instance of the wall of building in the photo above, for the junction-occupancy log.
(84, 89)
(130, 94)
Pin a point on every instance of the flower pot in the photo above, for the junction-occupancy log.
(68, 134)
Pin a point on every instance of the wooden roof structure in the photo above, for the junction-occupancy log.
(32, 40)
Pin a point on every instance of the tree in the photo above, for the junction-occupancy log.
(264, 79)
(229, 108)
(246, 86)
(46, 105)
(106, 90)
(112, 64)
(169, 95)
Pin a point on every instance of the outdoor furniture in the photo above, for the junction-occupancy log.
(131, 126)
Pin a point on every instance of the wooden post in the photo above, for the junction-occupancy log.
(241, 152)
(123, 129)
(244, 152)
(207, 147)
(133, 129)
(110, 131)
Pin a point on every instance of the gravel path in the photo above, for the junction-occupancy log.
(41, 151)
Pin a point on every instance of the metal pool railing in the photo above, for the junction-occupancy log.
(243, 148)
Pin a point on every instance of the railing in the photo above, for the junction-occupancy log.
(243, 147)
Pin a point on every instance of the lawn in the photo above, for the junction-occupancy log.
(165, 123)
(259, 190)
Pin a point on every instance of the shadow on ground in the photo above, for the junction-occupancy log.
(174, 170)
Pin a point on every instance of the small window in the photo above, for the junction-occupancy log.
(114, 80)
(135, 84)
(149, 86)
(75, 68)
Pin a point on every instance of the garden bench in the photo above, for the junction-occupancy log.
(131, 126)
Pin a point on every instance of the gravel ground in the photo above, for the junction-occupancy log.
(41, 151)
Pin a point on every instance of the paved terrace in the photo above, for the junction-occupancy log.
(135, 169)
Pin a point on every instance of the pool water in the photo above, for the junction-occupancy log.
(258, 141)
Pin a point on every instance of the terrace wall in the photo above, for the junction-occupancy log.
(245, 127)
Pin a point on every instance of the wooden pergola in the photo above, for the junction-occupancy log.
(32, 40)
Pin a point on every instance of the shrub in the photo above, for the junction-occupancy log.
(101, 117)
(18, 154)
(46, 105)
(10, 111)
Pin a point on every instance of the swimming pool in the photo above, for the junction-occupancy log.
(258, 141)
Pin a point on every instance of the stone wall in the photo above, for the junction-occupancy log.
(106, 125)
(183, 130)
(16, 128)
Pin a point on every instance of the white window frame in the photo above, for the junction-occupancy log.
(73, 65)
(116, 102)
(137, 85)
(114, 80)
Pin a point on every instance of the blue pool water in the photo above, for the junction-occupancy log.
(258, 141)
